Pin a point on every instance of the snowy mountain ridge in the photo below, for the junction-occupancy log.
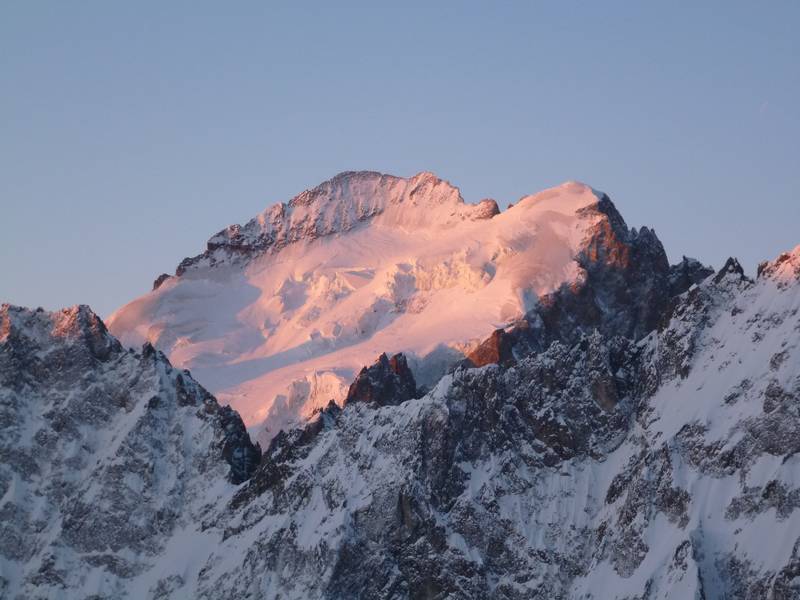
(617, 427)
(338, 205)
(105, 454)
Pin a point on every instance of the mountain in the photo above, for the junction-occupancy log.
(278, 315)
(106, 454)
(632, 432)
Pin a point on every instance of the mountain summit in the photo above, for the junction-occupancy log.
(340, 204)
(278, 315)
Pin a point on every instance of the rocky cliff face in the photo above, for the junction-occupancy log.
(626, 289)
(105, 455)
(389, 381)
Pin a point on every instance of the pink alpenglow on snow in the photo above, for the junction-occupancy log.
(279, 314)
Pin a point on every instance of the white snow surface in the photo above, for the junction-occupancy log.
(363, 264)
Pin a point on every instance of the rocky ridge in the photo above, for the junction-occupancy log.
(387, 382)
(106, 453)
(337, 206)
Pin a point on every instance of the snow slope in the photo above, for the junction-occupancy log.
(278, 315)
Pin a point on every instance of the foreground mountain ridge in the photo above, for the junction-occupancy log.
(634, 434)
(105, 452)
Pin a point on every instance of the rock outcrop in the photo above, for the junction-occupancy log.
(389, 381)
(496, 349)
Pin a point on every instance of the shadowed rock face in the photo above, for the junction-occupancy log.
(628, 289)
(104, 452)
(685, 274)
(389, 381)
(731, 267)
(160, 279)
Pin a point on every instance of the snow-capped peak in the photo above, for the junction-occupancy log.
(338, 205)
(784, 269)
(635, 434)
(279, 314)
(77, 325)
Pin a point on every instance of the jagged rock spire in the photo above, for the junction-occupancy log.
(389, 381)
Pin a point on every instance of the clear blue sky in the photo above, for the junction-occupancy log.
(131, 132)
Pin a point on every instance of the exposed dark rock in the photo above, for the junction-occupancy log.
(389, 381)
(237, 449)
(286, 447)
(160, 279)
(687, 273)
(629, 288)
(487, 208)
(731, 267)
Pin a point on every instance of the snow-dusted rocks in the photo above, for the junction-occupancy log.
(278, 315)
(104, 454)
(785, 269)
(339, 205)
